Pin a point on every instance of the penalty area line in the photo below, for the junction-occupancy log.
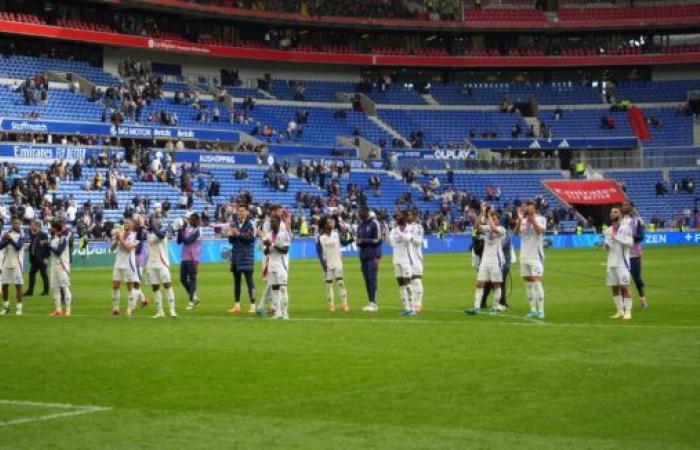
(75, 410)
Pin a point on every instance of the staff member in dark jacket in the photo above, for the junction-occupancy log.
(38, 254)
(241, 235)
(369, 240)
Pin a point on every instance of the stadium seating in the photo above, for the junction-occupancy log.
(586, 123)
(640, 184)
(513, 185)
(677, 130)
(28, 66)
(314, 91)
(655, 91)
(493, 93)
(449, 126)
(639, 13)
(504, 15)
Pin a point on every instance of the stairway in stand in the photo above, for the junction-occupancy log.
(638, 123)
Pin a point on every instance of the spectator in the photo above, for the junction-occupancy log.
(661, 189)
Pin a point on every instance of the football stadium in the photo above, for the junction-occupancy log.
(349, 224)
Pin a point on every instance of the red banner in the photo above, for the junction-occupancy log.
(587, 192)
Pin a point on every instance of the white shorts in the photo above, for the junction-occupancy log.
(277, 278)
(618, 276)
(489, 273)
(11, 276)
(59, 278)
(402, 271)
(417, 267)
(125, 275)
(531, 268)
(158, 275)
(334, 273)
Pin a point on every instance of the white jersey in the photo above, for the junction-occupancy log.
(416, 230)
(493, 246)
(532, 243)
(126, 259)
(402, 241)
(14, 259)
(268, 232)
(278, 261)
(157, 252)
(62, 260)
(618, 241)
(331, 250)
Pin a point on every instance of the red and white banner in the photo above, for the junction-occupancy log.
(587, 192)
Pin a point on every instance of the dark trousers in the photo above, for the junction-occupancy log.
(33, 269)
(636, 272)
(369, 272)
(488, 288)
(249, 281)
(188, 277)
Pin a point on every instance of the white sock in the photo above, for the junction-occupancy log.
(343, 292)
(330, 294)
(133, 298)
(170, 295)
(158, 299)
(5, 304)
(140, 296)
(267, 295)
(417, 287)
(403, 295)
(496, 296)
(284, 300)
(19, 307)
(530, 291)
(67, 296)
(276, 301)
(618, 303)
(57, 299)
(627, 303)
(539, 296)
(478, 294)
(116, 298)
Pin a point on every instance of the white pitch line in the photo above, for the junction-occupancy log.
(77, 411)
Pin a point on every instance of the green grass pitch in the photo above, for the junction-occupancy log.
(440, 380)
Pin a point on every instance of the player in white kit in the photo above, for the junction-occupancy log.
(618, 241)
(492, 258)
(263, 231)
(531, 227)
(158, 267)
(416, 229)
(12, 243)
(401, 239)
(124, 245)
(59, 264)
(276, 246)
(331, 253)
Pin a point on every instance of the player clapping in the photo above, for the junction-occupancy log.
(331, 243)
(12, 243)
(59, 263)
(618, 241)
(531, 227)
(401, 240)
(492, 258)
(124, 245)
(416, 229)
(158, 267)
(276, 246)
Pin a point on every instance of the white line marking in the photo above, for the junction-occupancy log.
(77, 410)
